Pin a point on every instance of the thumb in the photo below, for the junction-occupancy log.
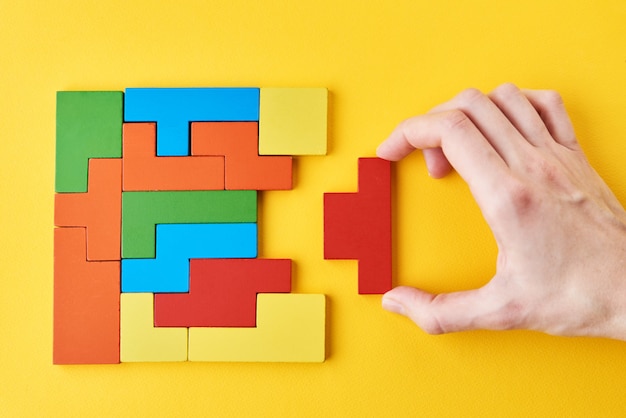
(452, 312)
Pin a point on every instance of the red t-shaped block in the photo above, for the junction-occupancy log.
(222, 292)
(358, 226)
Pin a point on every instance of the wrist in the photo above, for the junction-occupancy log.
(616, 325)
(615, 292)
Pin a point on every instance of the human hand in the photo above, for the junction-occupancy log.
(560, 231)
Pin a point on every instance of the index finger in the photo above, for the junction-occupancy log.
(462, 143)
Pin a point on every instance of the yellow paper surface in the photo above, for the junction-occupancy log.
(382, 62)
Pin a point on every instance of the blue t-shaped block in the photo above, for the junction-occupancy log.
(173, 109)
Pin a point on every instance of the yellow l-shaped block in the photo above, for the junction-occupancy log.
(290, 328)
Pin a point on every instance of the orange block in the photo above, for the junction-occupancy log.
(238, 142)
(144, 170)
(99, 210)
(86, 303)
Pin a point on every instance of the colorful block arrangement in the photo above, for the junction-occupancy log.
(156, 214)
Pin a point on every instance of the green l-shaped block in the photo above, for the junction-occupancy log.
(89, 125)
(142, 211)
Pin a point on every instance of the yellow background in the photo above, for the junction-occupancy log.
(382, 61)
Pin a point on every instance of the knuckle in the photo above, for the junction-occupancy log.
(456, 120)
(469, 96)
(521, 197)
(510, 316)
(508, 86)
(506, 90)
(518, 199)
(510, 309)
(552, 98)
(550, 173)
(432, 327)
(430, 321)
(547, 171)
(437, 322)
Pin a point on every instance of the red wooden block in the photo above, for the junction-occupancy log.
(358, 226)
(238, 142)
(143, 170)
(222, 292)
(99, 210)
(86, 303)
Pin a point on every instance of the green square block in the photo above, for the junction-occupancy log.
(142, 211)
(88, 125)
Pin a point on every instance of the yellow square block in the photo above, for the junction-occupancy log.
(290, 328)
(293, 121)
(140, 341)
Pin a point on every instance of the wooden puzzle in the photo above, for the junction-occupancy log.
(155, 250)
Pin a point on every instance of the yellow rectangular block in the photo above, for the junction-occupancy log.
(290, 328)
(293, 121)
(140, 341)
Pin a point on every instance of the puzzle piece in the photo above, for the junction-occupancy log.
(141, 211)
(99, 209)
(293, 121)
(222, 293)
(238, 142)
(178, 243)
(88, 125)
(140, 341)
(290, 328)
(358, 226)
(175, 108)
(143, 170)
(86, 303)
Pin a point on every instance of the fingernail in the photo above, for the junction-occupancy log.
(393, 306)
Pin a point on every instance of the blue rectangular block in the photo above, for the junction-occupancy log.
(173, 109)
(176, 244)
